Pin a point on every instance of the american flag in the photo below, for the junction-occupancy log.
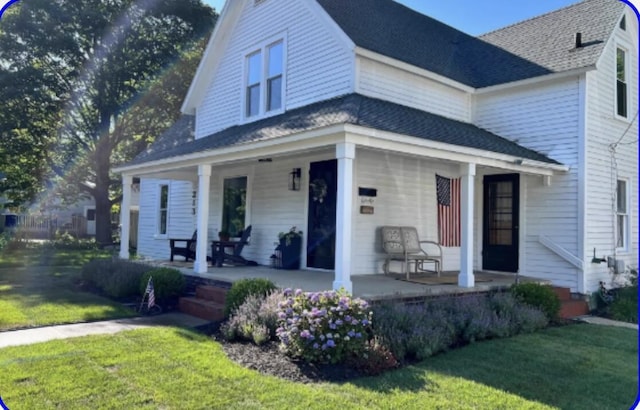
(448, 193)
(152, 294)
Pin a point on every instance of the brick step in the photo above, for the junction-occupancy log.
(204, 309)
(572, 308)
(212, 293)
(564, 294)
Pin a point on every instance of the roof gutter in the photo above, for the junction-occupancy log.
(534, 80)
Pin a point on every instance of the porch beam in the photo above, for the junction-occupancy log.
(466, 278)
(204, 180)
(345, 154)
(125, 216)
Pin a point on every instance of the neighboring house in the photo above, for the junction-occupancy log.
(539, 121)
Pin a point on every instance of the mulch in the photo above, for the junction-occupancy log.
(268, 360)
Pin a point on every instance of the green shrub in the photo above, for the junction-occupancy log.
(168, 283)
(118, 278)
(255, 320)
(323, 326)
(539, 296)
(625, 305)
(241, 289)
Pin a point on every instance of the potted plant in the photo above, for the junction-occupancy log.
(224, 235)
(290, 246)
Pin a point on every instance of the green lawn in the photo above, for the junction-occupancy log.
(37, 290)
(580, 366)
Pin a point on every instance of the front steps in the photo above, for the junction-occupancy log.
(208, 303)
(569, 306)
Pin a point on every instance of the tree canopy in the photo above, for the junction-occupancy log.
(88, 84)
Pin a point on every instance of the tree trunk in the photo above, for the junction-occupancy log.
(101, 192)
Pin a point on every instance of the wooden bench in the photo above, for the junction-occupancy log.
(402, 244)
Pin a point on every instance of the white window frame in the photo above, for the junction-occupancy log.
(625, 47)
(626, 214)
(159, 209)
(263, 48)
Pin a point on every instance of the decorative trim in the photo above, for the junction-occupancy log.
(560, 251)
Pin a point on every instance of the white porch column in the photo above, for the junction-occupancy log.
(125, 216)
(204, 179)
(466, 278)
(345, 153)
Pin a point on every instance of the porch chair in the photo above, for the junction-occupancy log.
(402, 244)
(235, 258)
(188, 250)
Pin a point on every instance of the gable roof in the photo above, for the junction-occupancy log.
(350, 109)
(536, 47)
(549, 39)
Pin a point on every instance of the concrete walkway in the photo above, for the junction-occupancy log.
(44, 334)
(595, 320)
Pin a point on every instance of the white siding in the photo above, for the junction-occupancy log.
(318, 66)
(181, 218)
(603, 129)
(382, 81)
(544, 118)
(406, 196)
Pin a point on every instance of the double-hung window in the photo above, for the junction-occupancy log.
(264, 80)
(621, 83)
(622, 214)
(163, 209)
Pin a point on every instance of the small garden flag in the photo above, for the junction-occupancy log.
(151, 293)
(448, 193)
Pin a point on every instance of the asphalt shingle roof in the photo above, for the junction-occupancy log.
(350, 109)
(532, 48)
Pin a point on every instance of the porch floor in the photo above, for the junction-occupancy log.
(369, 287)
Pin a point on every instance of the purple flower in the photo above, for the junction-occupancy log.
(305, 334)
(354, 322)
(315, 297)
(298, 292)
(331, 343)
(365, 322)
(315, 345)
(287, 292)
(332, 326)
(351, 333)
(339, 322)
(282, 315)
(358, 335)
(329, 336)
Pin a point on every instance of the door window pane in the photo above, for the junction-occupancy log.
(234, 206)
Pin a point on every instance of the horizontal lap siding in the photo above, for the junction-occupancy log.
(318, 66)
(181, 218)
(381, 81)
(405, 196)
(603, 129)
(544, 118)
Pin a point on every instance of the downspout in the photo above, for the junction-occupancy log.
(582, 178)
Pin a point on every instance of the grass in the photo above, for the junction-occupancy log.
(36, 289)
(580, 366)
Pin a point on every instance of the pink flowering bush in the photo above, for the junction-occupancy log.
(327, 327)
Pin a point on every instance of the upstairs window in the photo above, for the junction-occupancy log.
(623, 23)
(622, 214)
(621, 82)
(264, 80)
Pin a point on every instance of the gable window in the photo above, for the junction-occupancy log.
(623, 23)
(621, 82)
(622, 214)
(264, 80)
(234, 207)
(163, 209)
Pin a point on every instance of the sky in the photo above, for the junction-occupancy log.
(474, 17)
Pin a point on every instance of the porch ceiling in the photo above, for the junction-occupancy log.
(382, 123)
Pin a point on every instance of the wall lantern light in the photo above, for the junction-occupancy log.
(294, 179)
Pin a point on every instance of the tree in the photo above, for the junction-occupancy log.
(91, 83)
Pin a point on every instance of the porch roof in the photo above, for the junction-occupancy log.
(352, 109)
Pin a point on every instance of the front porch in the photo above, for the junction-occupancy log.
(370, 287)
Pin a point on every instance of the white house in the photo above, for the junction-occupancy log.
(538, 120)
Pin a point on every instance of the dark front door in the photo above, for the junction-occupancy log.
(323, 187)
(501, 220)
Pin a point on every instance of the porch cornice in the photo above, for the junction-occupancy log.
(340, 133)
(388, 141)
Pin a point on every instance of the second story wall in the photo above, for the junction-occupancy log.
(317, 64)
(378, 80)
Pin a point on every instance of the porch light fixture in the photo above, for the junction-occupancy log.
(294, 179)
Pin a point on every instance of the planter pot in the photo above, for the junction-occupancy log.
(291, 253)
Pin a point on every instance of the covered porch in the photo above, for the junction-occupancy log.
(365, 151)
